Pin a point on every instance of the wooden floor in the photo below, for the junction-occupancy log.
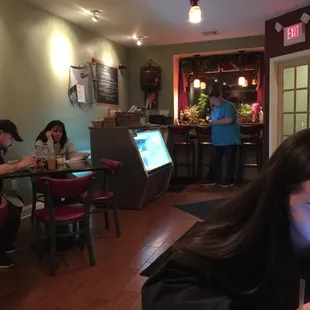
(114, 283)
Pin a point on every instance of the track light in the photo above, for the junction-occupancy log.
(194, 12)
(95, 17)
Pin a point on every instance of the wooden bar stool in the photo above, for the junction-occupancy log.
(204, 142)
(250, 138)
(181, 139)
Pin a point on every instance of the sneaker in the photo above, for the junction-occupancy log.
(6, 262)
(227, 184)
(10, 249)
(208, 184)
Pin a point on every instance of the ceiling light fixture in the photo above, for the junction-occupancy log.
(95, 17)
(139, 39)
(194, 12)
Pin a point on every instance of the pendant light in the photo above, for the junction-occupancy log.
(241, 81)
(196, 83)
(194, 12)
(203, 85)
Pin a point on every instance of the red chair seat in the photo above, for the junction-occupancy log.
(100, 194)
(62, 213)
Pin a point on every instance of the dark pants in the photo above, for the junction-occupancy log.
(10, 228)
(217, 153)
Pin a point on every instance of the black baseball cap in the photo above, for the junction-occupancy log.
(8, 126)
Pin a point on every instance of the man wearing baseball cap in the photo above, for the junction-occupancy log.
(9, 134)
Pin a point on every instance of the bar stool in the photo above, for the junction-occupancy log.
(252, 140)
(181, 139)
(204, 142)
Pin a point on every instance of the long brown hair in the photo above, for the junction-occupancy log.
(260, 212)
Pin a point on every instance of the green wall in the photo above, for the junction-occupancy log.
(163, 56)
(36, 51)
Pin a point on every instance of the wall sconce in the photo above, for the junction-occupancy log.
(122, 68)
(305, 18)
(278, 27)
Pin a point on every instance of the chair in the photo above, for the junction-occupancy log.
(204, 141)
(37, 188)
(55, 216)
(3, 211)
(250, 138)
(180, 138)
(104, 200)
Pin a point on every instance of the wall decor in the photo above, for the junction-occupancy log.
(107, 84)
(81, 88)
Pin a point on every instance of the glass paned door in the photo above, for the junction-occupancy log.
(294, 101)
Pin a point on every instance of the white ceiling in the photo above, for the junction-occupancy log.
(166, 21)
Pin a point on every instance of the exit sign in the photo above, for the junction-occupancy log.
(294, 34)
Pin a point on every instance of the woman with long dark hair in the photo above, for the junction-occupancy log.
(53, 140)
(252, 252)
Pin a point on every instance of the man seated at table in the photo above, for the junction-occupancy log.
(225, 138)
(9, 134)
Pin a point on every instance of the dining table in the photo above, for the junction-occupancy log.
(35, 173)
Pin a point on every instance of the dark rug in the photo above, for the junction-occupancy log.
(199, 209)
(160, 261)
(178, 185)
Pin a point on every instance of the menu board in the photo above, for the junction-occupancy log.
(107, 84)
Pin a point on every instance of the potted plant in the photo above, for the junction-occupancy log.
(244, 113)
(191, 114)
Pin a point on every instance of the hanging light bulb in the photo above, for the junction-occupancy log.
(241, 81)
(197, 83)
(139, 42)
(254, 82)
(194, 12)
(203, 85)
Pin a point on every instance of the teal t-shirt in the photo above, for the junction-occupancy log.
(224, 135)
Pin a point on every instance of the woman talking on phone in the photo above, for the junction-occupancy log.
(53, 140)
(251, 253)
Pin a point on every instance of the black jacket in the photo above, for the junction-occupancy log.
(185, 283)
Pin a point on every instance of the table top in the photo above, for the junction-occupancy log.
(85, 166)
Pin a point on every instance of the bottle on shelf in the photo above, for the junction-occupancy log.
(261, 115)
(253, 119)
(181, 115)
(208, 115)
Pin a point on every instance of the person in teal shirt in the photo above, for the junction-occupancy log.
(225, 139)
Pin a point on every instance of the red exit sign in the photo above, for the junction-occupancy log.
(294, 34)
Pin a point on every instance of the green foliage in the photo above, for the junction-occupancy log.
(244, 109)
(202, 102)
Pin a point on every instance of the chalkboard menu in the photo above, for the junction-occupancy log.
(107, 84)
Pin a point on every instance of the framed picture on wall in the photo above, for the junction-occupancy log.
(151, 100)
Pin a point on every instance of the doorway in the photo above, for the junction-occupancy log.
(293, 97)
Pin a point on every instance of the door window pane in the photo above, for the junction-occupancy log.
(300, 121)
(288, 124)
(288, 101)
(302, 100)
(289, 78)
(302, 76)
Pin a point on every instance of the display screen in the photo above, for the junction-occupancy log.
(152, 149)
